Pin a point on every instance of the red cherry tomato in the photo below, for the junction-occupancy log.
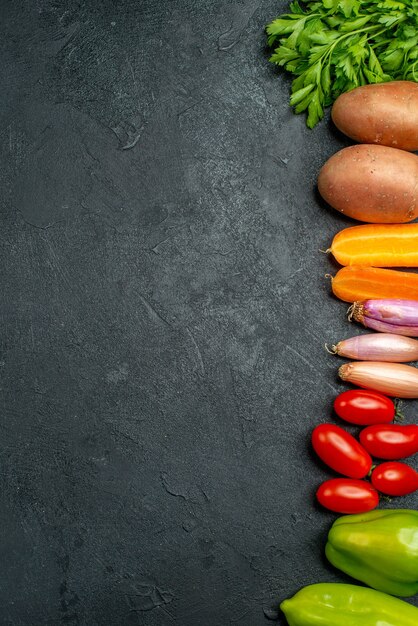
(395, 479)
(363, 406)
(347, 495)
(390, 441)
(338, 449)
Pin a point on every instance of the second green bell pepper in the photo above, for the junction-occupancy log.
(380, 548)
(337, 604)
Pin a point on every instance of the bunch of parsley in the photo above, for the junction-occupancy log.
(332, 46)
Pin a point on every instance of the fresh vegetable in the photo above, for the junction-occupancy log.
(361, 283)
(391, 379)
(378, 347)
(379, 548)
(390, 441)
(347, 495)
(377, 245)
(395, 329)
(338, 449)
(339, 604)
(385, 113)
(399, 317)
(372, 183)
(395, 479)
(332, 47)
(364, 407)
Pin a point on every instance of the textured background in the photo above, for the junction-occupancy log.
(163, 315)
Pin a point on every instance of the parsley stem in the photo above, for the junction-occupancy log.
(354, 32)
(413, 70)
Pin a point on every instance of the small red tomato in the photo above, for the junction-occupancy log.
(390, 441)
(395, 479)
(347, 495)
(338, 449)
(364, 407)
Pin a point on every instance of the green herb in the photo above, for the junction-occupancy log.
(332, 46)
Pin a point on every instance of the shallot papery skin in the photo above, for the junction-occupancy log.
(378, 347)
(394, 329)
(400, 312)
(399, 317)
(391, 379)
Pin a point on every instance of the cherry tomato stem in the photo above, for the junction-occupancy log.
(399, 416)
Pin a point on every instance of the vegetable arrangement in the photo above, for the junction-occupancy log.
(345, 455)
(336, 46)
(333, 46)
(377, 184)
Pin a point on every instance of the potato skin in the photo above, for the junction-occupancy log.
(372, 183)
(385, 114)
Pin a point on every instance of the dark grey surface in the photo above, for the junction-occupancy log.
(163, 315)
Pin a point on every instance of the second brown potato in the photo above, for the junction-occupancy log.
(372, 183)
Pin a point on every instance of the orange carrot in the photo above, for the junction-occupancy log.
(355, 282)
(377, 245)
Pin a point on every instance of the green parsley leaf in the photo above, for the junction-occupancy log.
(315, 109)
(347, 6)
(300, 94)
(283, 55)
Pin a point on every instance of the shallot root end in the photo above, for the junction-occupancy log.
(332, 350)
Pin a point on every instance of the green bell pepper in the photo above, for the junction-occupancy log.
(380, 548)
(337, 604)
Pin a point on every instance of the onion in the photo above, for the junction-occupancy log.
(379, 347)
(389, 316)
(383, 327)
(392, 379)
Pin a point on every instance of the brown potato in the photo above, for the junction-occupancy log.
(385, 114)
(372, 183)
